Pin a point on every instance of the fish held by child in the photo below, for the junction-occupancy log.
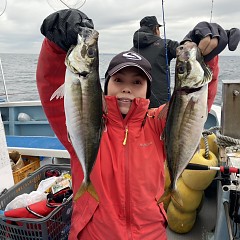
(187, 112)
(83, 104)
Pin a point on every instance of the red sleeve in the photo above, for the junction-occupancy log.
(51, 75)
(212, 86)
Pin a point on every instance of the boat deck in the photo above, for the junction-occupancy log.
(206, 219)
(37, 146)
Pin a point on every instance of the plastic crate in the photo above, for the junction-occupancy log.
(55, 226)
(31, 164)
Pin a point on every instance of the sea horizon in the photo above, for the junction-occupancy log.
(20, 74)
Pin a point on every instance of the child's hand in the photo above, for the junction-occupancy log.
(212, 38)
(62, 27)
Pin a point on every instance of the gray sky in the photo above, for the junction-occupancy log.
(116, 20)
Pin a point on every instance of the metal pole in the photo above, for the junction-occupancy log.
(4, 82)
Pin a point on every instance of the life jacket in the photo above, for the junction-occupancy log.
(40, 209)
(36, 210)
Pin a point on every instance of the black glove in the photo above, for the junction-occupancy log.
(62, 27)
(225, 37)
(233, 38)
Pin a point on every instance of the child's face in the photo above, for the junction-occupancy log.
(127, 84)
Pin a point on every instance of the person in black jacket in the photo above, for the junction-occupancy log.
(210, 37)
(148, 43)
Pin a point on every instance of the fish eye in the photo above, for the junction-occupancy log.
(83, 74)
(91, 52)
(181, 69)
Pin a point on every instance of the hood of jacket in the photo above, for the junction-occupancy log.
(144, 37)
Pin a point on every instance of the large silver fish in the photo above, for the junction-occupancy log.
(187, 112)
(83, 104)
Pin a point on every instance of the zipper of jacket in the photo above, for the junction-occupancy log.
(127, 186)
(125, 137)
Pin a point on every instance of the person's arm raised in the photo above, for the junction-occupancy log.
(212, 39)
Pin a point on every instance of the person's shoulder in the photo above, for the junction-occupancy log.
(170, 43)
(158, 41)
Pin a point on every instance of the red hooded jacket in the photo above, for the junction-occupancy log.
(129, 179)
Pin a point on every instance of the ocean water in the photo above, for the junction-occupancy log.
(19, 72)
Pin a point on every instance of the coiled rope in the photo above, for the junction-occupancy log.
(230, 144)
(205, 134)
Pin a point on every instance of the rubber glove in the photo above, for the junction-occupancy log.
(213, 30)
(62, 27)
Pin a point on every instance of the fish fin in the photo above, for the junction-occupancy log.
(59, 93)
(104, 119)
(197, 149)
(164, 112)
(81, 191)
(172, 194)
(191, 104)
(104, 104)
(91, 190)
(162, 137)
(69, 138)
(176, 196)
(80, 38)
(165, 197)
(86, 187)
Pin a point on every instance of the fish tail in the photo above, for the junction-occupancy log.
(172, 194)
(164, 197)
(176, 196)
(91, 190)
(81, 191)
(86, 187)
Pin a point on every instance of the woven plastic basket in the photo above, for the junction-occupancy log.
(32, 164)
(55, 226)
